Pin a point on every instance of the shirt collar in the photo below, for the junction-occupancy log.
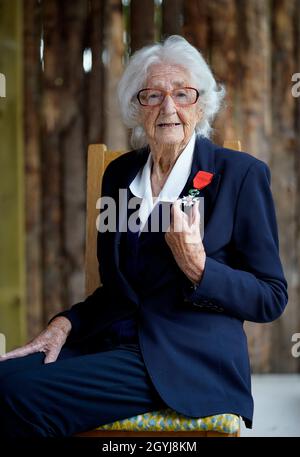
(141, 185)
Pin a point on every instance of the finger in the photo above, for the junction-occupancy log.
(174, 213)
(196, 213)
(176, 207)
(19, 352)
(52, 356)
(193, 214)
(181, 217)
(190, 214)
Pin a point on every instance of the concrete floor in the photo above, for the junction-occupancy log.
(276, 406)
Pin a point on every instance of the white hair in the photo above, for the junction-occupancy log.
(175, 50)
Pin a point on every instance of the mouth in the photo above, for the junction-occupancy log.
(164, 125)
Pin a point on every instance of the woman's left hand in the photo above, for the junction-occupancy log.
(184, 239)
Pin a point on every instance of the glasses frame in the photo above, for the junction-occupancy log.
(167, 92)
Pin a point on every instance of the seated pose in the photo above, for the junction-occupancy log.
(187, 250)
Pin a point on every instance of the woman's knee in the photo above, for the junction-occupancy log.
(11, 366)
(19, 413)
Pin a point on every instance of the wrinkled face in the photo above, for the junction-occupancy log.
(169, 123)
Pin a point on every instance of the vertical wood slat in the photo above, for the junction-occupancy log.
(116, 133)
(254, 47)
(54, 57)
(172, 17)
(73, 146)
(142, 28)
(32, 163)
(254, 124)
(284, 174)
(224, 61)
(196, 26)
(297, 156)
(12, 242)
(96, 85)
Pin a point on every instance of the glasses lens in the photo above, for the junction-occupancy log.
(150, 97)
(185, 96)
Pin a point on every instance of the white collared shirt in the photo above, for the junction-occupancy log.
(141, 185)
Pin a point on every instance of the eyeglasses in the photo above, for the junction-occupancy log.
(154, 97)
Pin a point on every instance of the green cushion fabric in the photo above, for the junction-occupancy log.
(169, 420)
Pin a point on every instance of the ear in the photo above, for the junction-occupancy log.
(200, 112)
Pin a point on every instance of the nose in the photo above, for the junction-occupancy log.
(168, 106)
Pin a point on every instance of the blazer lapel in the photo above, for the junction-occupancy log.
(204, 159)
(124, 197)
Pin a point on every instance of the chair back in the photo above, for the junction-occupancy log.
(98, 159)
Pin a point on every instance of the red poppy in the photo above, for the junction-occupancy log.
(202, 179)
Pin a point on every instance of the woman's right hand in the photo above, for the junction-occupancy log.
(50, 341)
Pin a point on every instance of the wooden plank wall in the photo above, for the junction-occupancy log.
(12, 274)
(252, 46)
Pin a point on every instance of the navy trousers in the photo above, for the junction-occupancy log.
(78, 392)
(86, 386)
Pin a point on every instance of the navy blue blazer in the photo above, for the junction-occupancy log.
(192, 339)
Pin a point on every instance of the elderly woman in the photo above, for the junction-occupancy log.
(166, 326)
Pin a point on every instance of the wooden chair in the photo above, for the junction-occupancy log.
(98, 159)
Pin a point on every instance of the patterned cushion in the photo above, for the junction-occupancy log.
(169, 420)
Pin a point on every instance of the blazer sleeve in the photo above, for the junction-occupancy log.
(256, 290)
(85, 315)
